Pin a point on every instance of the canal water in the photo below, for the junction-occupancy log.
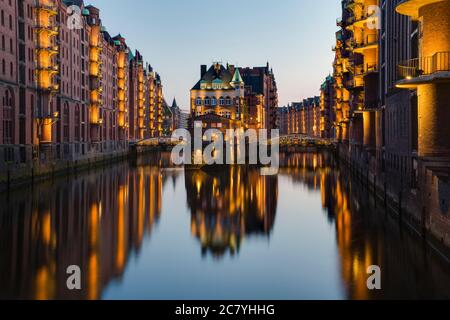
(146, 230)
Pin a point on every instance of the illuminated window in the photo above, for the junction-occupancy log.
(213, 101)
(198, 102)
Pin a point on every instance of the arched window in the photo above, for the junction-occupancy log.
(221, 101)
(213, 101)
(77, 121)
(66, 121)
(198, 102)
(104, 125)
(111, 131)
(8, 117)
(228, 101)
(207, 102)
(3, 66)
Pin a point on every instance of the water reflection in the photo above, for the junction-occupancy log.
(366, 235)
(228, 204)
(100, 219)
(95, 221)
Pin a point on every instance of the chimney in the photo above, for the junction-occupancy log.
(202, 70)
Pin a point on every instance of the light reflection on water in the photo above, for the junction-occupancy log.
(148, 231)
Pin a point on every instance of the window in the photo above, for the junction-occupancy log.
(228, 101)
(77, 123)
(213, 101)
(8, 116)
(207, 102)
(221, 101)
(198, 102)
(66, 122)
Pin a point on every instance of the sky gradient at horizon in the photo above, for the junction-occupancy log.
(177, 36)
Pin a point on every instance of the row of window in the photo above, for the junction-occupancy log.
(8, 116)
(11, 68)
(225, 114)
(3, 20)
(213, 101)
(11, 46)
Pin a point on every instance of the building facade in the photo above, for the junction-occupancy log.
(70, 91)
(387, 105)
(219, 95)
(302, 118)
(327, 114)
(237, 97)
(261, 96)
(180, 117)
(391, 81)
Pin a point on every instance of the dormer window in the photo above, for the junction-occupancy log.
(217, 84)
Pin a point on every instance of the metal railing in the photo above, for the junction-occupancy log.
(413, 68)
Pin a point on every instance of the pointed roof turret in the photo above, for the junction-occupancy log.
(237, 79)
(174, 103)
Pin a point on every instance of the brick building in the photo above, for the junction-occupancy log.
(70, 90)
(246, 96)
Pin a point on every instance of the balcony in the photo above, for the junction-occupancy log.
(47, 30)
(370, 42)
(424, 70)
(48, 6)
(411, 7)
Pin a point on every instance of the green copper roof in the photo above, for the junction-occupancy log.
(237, 79)
(85, 12)
(217, 80)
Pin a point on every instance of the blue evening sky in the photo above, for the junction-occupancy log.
(177, 36)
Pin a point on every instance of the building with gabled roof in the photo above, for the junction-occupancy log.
(219, 91)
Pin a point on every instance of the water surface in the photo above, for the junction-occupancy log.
(147, 230)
